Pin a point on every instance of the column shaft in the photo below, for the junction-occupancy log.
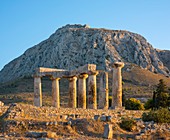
(103, 91)
(82, 91)
(92, 91)
(72, 92)
(117, 85)
(55, 93)
(37, 91)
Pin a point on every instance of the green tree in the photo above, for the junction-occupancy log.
(161, 96)
(149, 104)
(161, 87)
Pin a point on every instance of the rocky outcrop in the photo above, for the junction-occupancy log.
(164, 56)
(76, 45)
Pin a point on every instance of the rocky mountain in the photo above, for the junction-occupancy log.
(75, 45)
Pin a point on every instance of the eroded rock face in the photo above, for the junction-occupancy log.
(76, 45)
(164, 56)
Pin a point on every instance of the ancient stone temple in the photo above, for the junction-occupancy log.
(84, 98)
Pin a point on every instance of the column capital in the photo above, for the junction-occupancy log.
(72, 78)
(55, 78)
(36, 76)
(118, 65)
(93, 73)
(83, 76)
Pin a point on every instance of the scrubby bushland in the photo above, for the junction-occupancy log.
(128, 124)
(133, 104)
(160, 116)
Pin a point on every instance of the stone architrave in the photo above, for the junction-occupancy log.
(103, 91)
(117, 85)
(72, 92)
(37, 91)
(82, 91)
(92, 91)
(55, 92)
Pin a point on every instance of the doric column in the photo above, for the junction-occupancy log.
(72, 92)
(103, 91)
(92, 91)
(37, 91)
(82, 91)
(55, 92)
(117, 85)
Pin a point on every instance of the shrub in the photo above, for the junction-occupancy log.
(133, 104)
(150, 116)
(149, 104)
(128, 124)
(163, 115)
(160, 116)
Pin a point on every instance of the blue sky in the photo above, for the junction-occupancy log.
(25, 23)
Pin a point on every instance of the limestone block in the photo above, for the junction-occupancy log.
(137, 137)
(72, 116)
(96, 117)
(103, 118)
(43, 69)
(33, 134)
(108, 131)
(55, 123)
(51, 134)
(109, 118)
(1, 103)
(87, 67)
(64, 117)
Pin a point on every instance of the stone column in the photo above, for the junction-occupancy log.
(37, 91)
(117, 85)
(82, 91)
(92, 91)
(103, 91)
(72, 92)
(55, 92)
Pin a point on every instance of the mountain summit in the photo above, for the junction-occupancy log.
(76, 45)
